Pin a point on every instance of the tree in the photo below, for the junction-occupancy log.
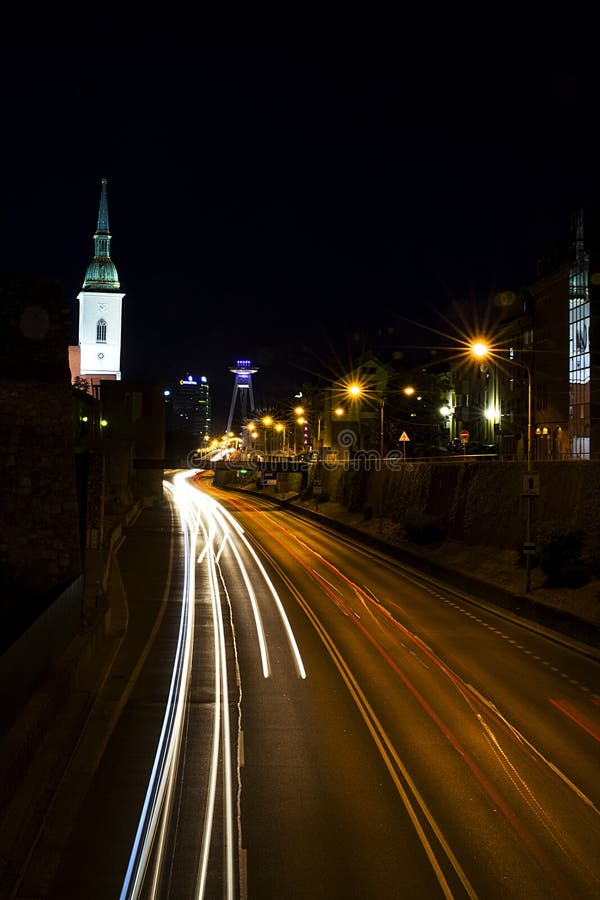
(81, 384)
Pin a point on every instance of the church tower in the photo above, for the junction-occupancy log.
(100, 308)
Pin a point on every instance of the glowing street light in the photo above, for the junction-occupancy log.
(280, 429)
(267, 421)
(355, 391)
(480, 350)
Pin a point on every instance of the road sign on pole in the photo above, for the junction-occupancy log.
(403, 440)
(464, 435)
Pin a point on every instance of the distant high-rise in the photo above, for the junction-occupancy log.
(98, 354)
(242, 388)
(188, 403)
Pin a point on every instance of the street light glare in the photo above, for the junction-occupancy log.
(480, 349)
(354, 390)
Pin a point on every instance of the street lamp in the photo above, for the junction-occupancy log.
(300, 421)
(480, 350)
(355, 391)
(280, 429)
(267, 422)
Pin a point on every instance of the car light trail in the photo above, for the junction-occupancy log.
(221, 716)
(264, 655)
(199, 513)
(225, 518)
(166, 756)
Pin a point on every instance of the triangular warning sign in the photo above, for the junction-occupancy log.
(404, 437)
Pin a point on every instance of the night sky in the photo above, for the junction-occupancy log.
(281, 177)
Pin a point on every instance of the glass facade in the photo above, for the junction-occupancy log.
(579, 349)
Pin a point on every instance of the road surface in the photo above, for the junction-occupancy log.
(298, 716)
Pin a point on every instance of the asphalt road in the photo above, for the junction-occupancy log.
(335, 727)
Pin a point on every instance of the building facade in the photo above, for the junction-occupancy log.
(189, 408)
(584, 336)
(542, 384)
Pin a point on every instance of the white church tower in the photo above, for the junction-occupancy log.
(100, 309)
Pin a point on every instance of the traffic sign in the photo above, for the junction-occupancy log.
(404, 437)
(464, 435)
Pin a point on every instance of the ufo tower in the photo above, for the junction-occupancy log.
(243, 371)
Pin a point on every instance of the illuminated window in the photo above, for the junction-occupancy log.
(101, 331)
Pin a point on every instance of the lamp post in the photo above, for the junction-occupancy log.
(381, 405)
(280, 429)
(355, 391)
(267, 422)
(529, 495)
(300, 422)
(481, 351)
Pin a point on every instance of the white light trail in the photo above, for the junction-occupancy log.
(255, 611)
(222, 512)
(221, 715)
(170, 736)
(220, 530)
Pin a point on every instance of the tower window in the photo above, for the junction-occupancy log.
(101, 331)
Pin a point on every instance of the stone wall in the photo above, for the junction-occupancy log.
(479, 503)
(39, 515)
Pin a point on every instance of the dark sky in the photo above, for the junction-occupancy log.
(280, 176)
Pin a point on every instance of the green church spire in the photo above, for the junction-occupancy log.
(101, 273)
